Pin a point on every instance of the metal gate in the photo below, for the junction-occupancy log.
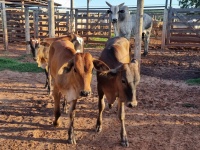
(183, 28)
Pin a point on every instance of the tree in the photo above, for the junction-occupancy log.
(189, 3)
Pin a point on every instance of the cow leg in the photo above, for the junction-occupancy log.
(71, 136)
(146, 43)
(65, 104)
(47, 84)
(51, 84)
(101, 106)
(47, 78)
(121, 115)
(56, 96)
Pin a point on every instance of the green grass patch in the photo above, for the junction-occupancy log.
(101, 46)
(193, 81)
(15, 65)
(99, 39)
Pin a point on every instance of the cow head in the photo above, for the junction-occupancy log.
(78, 43)
(114, 12)
(81, 66)
(42, 54)
(34, 44)
(127, 77)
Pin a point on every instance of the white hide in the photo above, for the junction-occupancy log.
(125, 24)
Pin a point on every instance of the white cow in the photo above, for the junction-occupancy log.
(125, 24)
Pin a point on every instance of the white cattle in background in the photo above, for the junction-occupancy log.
(125, 24)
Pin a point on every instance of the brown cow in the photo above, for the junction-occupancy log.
(40, 50)
(119, 82)
(34, 44)
(71, 75)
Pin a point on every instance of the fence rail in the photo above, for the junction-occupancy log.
(183, 28)
(92, 25)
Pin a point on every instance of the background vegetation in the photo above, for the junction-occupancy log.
(16, 65)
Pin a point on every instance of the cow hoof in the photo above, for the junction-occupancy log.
(56, 124)
(71, 141)
(132, 104)
(125, 143)
(98, 129)
(65, 109)
(145, 53)
(110, 106)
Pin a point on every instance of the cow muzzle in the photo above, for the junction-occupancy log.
(114, 21)
(132, 104)
(85, 93)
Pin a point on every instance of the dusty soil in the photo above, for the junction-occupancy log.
(166, 118)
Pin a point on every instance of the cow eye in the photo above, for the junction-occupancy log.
(121, 11)
(123, 81)
(75, 70)
(109, 11)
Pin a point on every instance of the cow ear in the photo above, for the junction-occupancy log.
(80, 40)
(100, 65)
(72, 36)
(69, 66)
(38, 39)
(45, 44)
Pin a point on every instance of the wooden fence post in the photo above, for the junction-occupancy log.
(36, 21)
(165, 20)
(139, 25)
(4, 24)
(76, 16)
(27, 29)
(51, 18)
(72, 17)
(67, 22)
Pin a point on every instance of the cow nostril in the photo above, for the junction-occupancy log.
(114, 20)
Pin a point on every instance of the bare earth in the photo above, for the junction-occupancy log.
(167, 116)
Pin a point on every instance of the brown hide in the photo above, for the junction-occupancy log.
(116, 56)
(71, 37)
(118, 82)
(43, 52)
(70, 71)
(71, 74)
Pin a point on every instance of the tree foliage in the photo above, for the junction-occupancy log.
(189, 3)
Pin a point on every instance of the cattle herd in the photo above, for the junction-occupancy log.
(69, 72)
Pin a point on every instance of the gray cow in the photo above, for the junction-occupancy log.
(125, 24)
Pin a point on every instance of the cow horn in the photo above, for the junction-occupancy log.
(109, 4)
(120, 5)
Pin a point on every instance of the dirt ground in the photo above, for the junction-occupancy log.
(167, 116)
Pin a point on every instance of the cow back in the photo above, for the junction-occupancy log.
(116, 52)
